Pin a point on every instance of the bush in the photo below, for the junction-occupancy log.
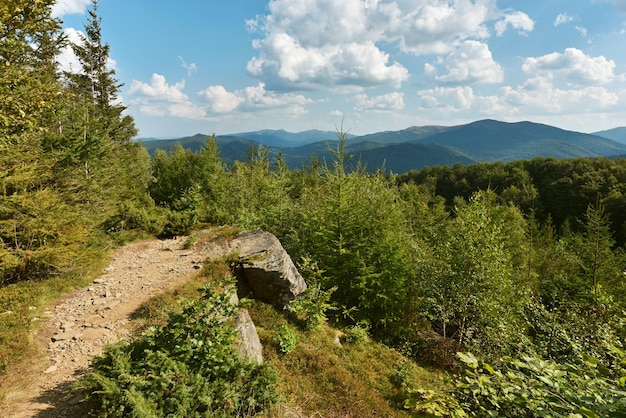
(310, 308)
(529, 387)
(356, 334)
(287, 339)
(187, 368)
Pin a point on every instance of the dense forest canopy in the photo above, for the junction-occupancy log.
(523, 259)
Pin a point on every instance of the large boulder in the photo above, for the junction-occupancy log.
(267, 267)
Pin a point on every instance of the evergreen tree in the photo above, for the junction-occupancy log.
(30, 40)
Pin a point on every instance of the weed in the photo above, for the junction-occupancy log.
(287, 339)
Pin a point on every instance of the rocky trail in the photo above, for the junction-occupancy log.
(80, 325)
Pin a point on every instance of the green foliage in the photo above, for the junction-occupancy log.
(286, 339)
(468, 287)
(528, 387)
(188, 367)
(311, 306)
(356, 334)
(354, 226)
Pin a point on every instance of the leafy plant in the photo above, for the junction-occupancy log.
(310, 308)
(356, 334)
(287, 339)
(529, 387)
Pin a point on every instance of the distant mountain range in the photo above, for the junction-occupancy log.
(416, 147)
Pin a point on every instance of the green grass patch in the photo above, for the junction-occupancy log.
(321, 377)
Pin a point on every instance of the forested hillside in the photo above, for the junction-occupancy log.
(520, 267)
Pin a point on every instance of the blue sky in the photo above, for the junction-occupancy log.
(209, 66)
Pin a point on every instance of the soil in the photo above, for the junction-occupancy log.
(79, 326)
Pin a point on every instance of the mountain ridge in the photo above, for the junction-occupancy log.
(416, 147)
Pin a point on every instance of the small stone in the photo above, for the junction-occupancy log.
(51, 369)
(99, 281)
(64, 336)
(6, 313)
(32, 308)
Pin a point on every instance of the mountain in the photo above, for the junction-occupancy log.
(491, 140)
(283, 139)
(616, 134)
(418, 146)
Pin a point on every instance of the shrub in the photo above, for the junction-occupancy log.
(310, 308)
(356, 334)
(287, 339)
(529, 387)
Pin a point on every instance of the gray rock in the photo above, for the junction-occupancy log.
(267, 267)
(248, 343)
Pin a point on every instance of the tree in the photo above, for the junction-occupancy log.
(469, 285)
(355, 227)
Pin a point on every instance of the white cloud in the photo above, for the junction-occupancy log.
(68, 7)
(384, 102)
(449, 98)
(582, 31)
(562, 19)
(221, 100)
(159, 98)
(471, 62)
(191, 68)
(573, 67)
(67, 59)
(327, 44)
(433, 26)
(159, 90)
(517, 20)
(285, 62)
(554, 100)
(252, 98)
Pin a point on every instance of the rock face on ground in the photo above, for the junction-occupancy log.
(269, 270)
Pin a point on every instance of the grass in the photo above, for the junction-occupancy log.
(322, 378)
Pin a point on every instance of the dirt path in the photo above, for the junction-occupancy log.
(79, 326)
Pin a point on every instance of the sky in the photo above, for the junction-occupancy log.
(217, 66)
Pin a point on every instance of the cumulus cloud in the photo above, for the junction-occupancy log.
(221, 100)
(573, 67)
(159, 98)
(517, 20)
(562, 18)
(285, 62)
(252, 98)
(471, 62)
(433, 26)
(556, 100)
(384, 102)
(325, 44)
(450, 98)
(67, 59)
(68, 7)
(159, 89)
